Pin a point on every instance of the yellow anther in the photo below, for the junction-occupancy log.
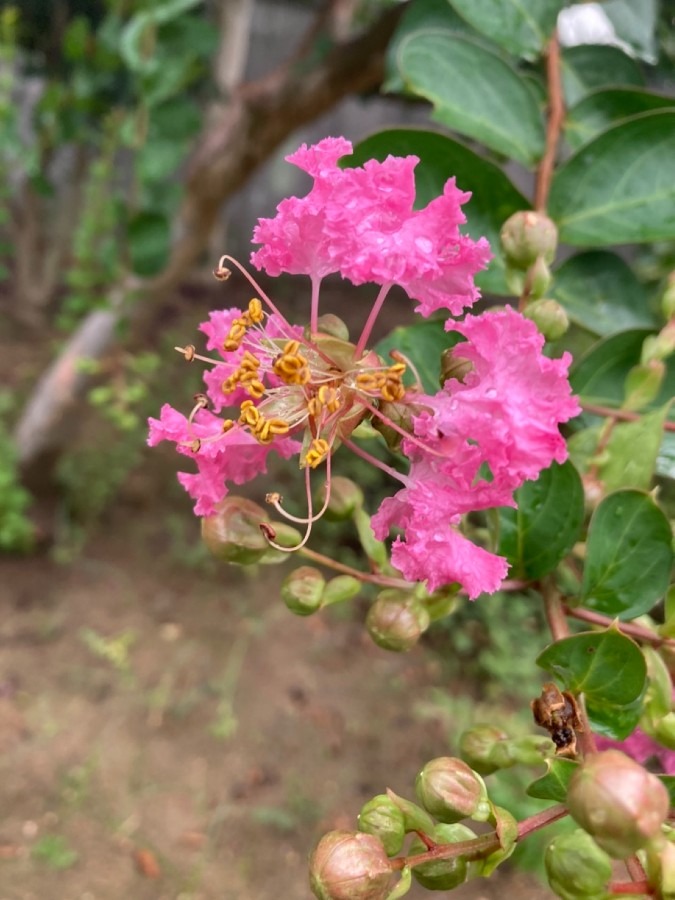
(278, 426)
(249, 362)
(314, 407)
(195, 445)
(262, 432)
(249, 414)
(292, 367)
(392, 391)
(328, 397)
(318, 451)
(188, 352)
(254, 387)
(369, 381)
(397, 369)
(255, 310)
(230, 382)
(235, 335)
(228, 425)
(291, 348)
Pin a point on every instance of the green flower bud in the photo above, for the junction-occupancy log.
(449, 790)
(576, 866)
(400, 414)
(332, 325)
(643, 383)
(477, 746)
(539, 278)
(527, 235)
(668, 299)
(302, 590)
(549, 317)
(414, 817)
(345, 497)
(232, 533)
(383, 818)
(454, 365)
(442, 874)
(659, 346)
(396, 620)
(618, 802)
(661, 868)
(340, 588)
(350, 865)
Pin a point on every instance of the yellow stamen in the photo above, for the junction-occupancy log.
(255, 311)
(318, 451)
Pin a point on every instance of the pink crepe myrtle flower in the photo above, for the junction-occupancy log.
(360, 222)
(480, 440)
(643, 749)
(273, 386)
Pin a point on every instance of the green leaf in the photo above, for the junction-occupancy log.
(543, 529)
(149, 238)
(609, 669)
(458, 75)
(422, 14)
(621, 466)
(134, 35)
(553, 785)
(423, 343)
(601, 293)
(635, 23)
(493, 197)
(628, 555)
(522, 27)
(602, 109)
(620, 187)
(588, 67)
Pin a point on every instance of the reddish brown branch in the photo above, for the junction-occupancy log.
(556, 115)
(629, 628)
(625, 415)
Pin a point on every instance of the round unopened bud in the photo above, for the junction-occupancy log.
(454, 365)
(618, 802)
(350, 865)
(477, 746)
(442, 874)
(383, 818)
(398, 413)
(340, 588)
(345, 497)
(232, 533)
(396, 620)
(526, 235)
(332, 325)
(549, 317)
(302, 590)
(450, 790)
(576, 866)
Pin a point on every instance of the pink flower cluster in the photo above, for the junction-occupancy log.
(471, 444)
(643, 749)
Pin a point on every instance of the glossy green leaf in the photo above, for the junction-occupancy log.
(602, 109)
(553, 785)
(614, 721)
(423, 343)
(149, 236)
(132, 46)
(635, 23)
(606, 666)
(628, 555)
(545, 526)
(458, 76)
(601, 293)
(620, 187)
(589, 67)
(422, 14)
(522, 28)
(493, 197)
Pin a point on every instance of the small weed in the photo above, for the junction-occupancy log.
(53, 851)
(114, 650)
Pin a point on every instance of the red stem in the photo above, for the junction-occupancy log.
(624, 414)
(629, 628)
(556, 115)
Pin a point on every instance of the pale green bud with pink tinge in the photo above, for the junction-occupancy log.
(302, 590)
(549, 317)
(382, 818)
(487, 749)
(618, 802)
(345, 498)
(232, 534)
(442, 874)
(527, 235)
(451, 791)
(396, 620)
(577, 867)
(643, 384)
(347, 865)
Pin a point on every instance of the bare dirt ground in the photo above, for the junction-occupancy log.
(167, 734)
